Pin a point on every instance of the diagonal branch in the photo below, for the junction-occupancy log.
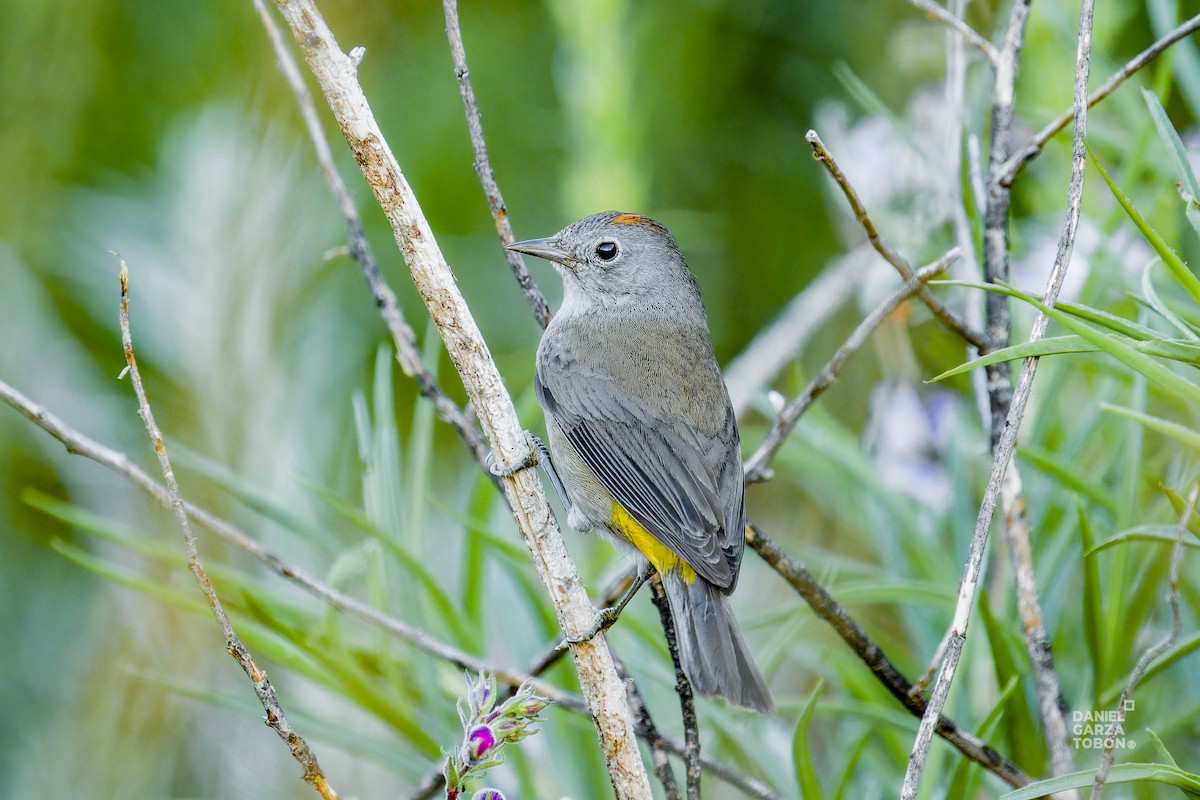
(233, 643)
(954, 23)
(828, 609)
(1002, 471)
(483, 167)
(336, 75)
(758, 465)
(947, 317)
(1033, 148)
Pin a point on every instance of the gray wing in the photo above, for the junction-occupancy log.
(681, 485)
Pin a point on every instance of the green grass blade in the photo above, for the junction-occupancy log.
(1122, 349)
(806, 774)
(1180, 433)
(1070, 477)
(1051, 346)
(1092, 608)
(1120, 774)
(1170, 137)
(1181, 272)
(1155, 302)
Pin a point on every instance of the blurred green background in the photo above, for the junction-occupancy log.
(163, 131)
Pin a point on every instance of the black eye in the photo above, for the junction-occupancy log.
(607, 251)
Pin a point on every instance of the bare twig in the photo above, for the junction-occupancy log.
(828, 609)
(1135, 677)
(336, 75)
(659, 746)
(758, 465)
(483, 167)
(947, 317)
(1051, 702)
(403, 338)
(687, 702)
(1002, 468)
(954, 23)
(262, 686)
(1031, 149)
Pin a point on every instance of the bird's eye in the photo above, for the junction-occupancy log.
(607, 251)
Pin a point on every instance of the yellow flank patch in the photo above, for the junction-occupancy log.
(628, 219)
(662, 557)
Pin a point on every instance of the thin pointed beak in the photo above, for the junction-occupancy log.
(546, 248)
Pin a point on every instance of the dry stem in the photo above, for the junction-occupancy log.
(262, 686)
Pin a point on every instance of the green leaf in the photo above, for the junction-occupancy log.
(1092, 610)
(1155, 302)
(1070, 477)
(1104, 319)
(1170, 137)
(806, 774)
(1050, 346)
(1180, 433)
(1182, 273)
(1121, 348)
(1121, 773)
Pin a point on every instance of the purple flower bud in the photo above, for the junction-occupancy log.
(487, 794)
(480, 741)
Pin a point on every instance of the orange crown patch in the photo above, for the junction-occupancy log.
(629, 219)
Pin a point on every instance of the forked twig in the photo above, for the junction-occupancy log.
(1017, 161)
(757, 467)
(934, 11)
(403, 338)
(944, 314)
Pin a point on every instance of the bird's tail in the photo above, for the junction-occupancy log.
(714, 655)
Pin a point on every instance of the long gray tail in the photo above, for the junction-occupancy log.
(714, 655)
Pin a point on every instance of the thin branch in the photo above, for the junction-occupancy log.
(687, 702)
(828, 609)
(336, 75)
(1033, 148)
(262, 686)
(1135, 677)
(954, 23)
(1002, 468)
(758, 465)
(995, 215)
(1051, 702)
(403, 338)
(659, 746)
(947, 317)
(483, 167)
